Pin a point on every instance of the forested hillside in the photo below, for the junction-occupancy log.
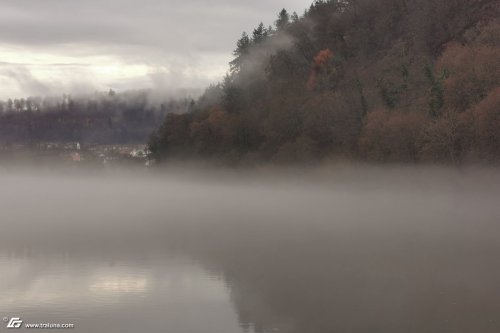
(371, 80)
(100, 118)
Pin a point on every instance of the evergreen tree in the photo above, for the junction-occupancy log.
(242, 50)
(283, 19)
(259, 33)
(233, 96)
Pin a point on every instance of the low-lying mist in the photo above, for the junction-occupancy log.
(340, 248)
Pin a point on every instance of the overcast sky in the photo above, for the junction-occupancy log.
(54, 46)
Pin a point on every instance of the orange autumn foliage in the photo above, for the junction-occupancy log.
(409, 81)
(391, 136)
(321, 60)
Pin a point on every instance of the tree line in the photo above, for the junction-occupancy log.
(101, 118)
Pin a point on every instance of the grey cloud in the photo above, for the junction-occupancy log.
(11, 64)
(184, 36)
(25, 80)
(21, 76)
(172, 24)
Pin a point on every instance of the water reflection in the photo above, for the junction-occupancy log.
(119, 284)
(99, 294)
(372, 251)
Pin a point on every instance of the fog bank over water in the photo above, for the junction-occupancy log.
(135, 203)
(356, 249)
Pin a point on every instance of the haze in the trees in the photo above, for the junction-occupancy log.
(99, 118)
(399, 81)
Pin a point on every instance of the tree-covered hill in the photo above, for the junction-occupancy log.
(373, 80)
(99, 118)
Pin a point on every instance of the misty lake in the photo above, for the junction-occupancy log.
(367, 249)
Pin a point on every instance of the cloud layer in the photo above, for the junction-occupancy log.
(56, 46)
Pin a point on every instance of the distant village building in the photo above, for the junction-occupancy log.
(138, 153)
(76, 157)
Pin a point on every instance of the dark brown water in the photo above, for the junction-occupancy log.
(341, 250)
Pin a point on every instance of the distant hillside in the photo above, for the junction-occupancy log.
(373, 80)
(100, 118)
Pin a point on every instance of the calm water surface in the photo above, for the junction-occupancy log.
(109, 293)
(366, 250)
